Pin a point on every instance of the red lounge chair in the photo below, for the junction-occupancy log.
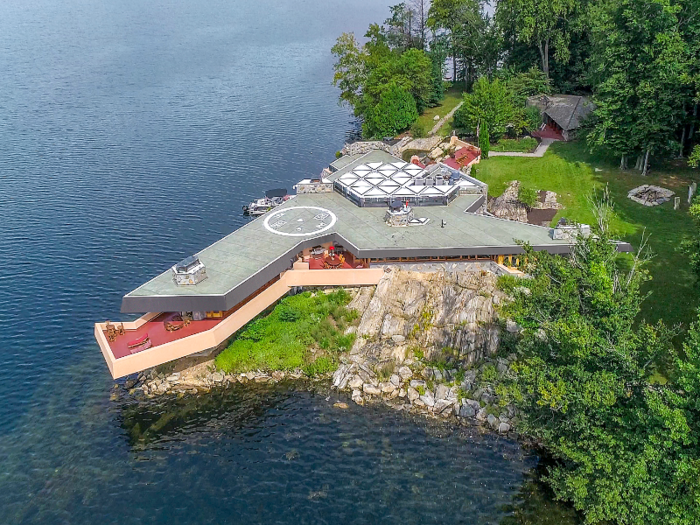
(141, 341)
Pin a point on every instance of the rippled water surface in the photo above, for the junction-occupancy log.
(131, 133)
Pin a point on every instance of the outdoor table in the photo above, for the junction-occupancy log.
(332, 262)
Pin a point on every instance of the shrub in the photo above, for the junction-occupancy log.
(527, 196)
(489, 373)
(322, 365)
(338, 154)
(419, 129)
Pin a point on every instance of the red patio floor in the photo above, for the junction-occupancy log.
(548, 132)
(158, 334)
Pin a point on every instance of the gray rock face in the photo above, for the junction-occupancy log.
(503, 428)
(357, 397)
(453, 309)
(397, 338)
(493, 421)
(395, 380)
(412, 394)
(417, 383)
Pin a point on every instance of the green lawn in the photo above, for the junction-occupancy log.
(574, 174)
(525, 145)
(303, 331)
(453, 96)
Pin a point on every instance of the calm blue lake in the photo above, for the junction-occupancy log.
(131, 133)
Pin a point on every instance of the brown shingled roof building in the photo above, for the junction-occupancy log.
(562, 113)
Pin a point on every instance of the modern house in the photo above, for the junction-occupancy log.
(364, 212)
(561, 114)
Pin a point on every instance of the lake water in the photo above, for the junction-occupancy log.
(131, 133)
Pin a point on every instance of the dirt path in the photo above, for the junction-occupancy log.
(444, 119)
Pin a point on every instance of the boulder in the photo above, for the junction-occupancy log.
(370, 389)
(481, 415)
(217, 377)
(355, 383)
(278, 375)
(503, 428)
(441, 392)
(412, 394)
(437, 374)
(357, 397)
(402, 392)
(441, 406)
(387, 388)
(395, 380)
(428, 398)
(405, 373)
(493, 421)
(416, 383)
(467, 411)
(397, 338)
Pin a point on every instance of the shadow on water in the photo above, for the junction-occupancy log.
(263, 453)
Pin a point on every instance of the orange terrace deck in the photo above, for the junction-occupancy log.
(203, 335)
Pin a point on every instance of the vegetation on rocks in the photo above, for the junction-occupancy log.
(305, 331)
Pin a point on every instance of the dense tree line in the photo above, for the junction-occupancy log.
(626, 444)
(639, 60)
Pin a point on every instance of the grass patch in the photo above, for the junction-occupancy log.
(574, 174)
(303, 331)
(524, 145)
(453, 96)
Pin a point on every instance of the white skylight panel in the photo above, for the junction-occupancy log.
(431, 190)
(376, 192)
(400, 164)
(387, 173)
(348, 179)
(404, 192)
(361, 187)
(362, 167)
(375, 180)
(374, 165)
(389, 184)
(413, 169)
(401, 178)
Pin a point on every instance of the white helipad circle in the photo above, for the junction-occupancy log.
(318, 222)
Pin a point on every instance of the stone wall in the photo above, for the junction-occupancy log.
(322, 187)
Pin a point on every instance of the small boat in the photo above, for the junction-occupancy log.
(272, 199)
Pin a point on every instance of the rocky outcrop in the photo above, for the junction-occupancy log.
(507, 206)
(426, 342)
(447, 315)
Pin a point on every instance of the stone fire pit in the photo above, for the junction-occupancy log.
(649, 195)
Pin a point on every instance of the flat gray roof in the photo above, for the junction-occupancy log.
(245, 260)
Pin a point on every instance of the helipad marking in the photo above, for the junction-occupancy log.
(324, 224)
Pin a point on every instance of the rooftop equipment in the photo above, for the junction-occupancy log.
(189, 271)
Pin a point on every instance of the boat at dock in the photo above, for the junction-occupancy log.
(272, 199)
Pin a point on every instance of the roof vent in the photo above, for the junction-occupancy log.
(189, 271)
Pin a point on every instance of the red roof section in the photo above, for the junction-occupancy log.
(452, 163)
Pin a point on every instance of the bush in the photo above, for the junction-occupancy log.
(322, 365)
(419, 129)
(395, 112)
(281, 340)
(489, 374)
(527, 196)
